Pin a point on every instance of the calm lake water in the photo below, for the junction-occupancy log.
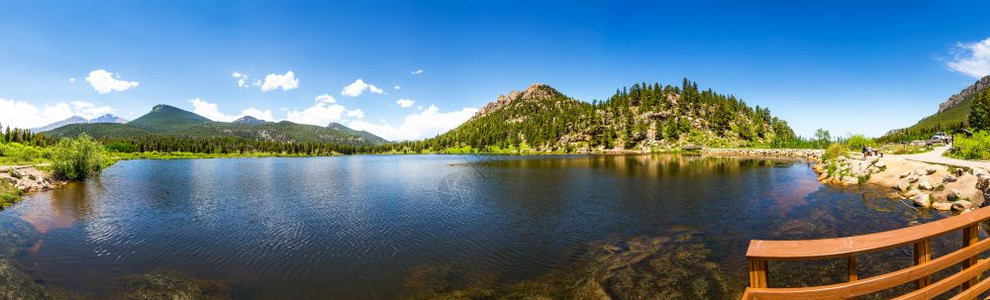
(385, 227)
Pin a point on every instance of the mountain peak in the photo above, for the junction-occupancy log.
(249, 120)
(536, 91)
(965, 93)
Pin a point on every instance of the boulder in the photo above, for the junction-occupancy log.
(983, 182)
(849, 180)
(952, 195)
(961, 205)
(912, 178)
(905, 174)
(903, 186)
(944, 206)
(925, 185)
(929, 170)
(949, 178)
(921, 200)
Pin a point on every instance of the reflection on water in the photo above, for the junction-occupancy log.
(430, 226)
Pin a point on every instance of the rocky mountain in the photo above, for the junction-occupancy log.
(966, 93)
(166, 121)
(952, 114)
(643, 117)
(107, 118)
(249, 120)
(366, 135)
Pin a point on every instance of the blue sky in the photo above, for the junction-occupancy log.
(843, 65)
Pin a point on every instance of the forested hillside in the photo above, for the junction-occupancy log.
(643, 117)
(952, 114)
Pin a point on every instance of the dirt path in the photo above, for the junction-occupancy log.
(936, 157)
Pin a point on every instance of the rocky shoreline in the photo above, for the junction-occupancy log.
(29, 178)
(925, 185)
(940, 187)
(808, 154)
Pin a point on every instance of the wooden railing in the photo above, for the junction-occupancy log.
(760, 253)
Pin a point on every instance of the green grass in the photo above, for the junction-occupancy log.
(8, 194)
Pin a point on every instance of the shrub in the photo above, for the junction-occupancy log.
(77, 158)
(856, 142)
(835, 151)
(976, 147)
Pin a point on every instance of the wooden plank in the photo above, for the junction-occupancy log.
(971, 235)
(873, 284)
(846, 246)
(974, 291)
(948, 283)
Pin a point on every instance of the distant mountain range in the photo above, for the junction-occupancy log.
(951, 115)
(107, 118)
(169, 121)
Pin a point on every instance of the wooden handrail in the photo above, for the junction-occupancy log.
(846, 246)
(760, 252)
(872, 284)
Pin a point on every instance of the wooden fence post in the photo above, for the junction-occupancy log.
(757, 273)
(923, 254)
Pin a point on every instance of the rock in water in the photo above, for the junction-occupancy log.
(921, 200)
(944, 206)
(961, 205)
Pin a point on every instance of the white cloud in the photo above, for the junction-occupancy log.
(427, 123)
(404, 103)
(72, 80)
(242, 79)
(358, 87)
(357, 114)
(286, 82)
(326, 98)
(21, 114)
(417, 72)
(212, 112)
(324, 111)
(104, 82)
(397, 87)
(972, 59)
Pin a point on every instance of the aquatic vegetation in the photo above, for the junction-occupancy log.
(676, 265)
(171, 285)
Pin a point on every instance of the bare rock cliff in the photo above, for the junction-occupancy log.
(965, 93)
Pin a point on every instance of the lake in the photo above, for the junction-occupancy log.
(422, 226)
